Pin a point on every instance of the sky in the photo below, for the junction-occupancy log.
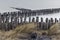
(5, 5)
(30, 4)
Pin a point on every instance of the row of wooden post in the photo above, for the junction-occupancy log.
(14, 17)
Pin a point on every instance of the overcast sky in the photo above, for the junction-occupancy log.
(30, 4)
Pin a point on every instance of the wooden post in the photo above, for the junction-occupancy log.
(25, 20)
(11, 19)
(6, 23)
(21, 19)
(25, 17)
(0, 21)
(15, 20)
(29, 15)
(29, 19)
(41, 19)
(41, 23)
(37, 19)
(2, 18)
(33, 19)
(12, 22)
(7, 19)
(19, 14)
(52, 20)
(47, 20)
(18, 21)
(55, 20)
(33, 13)
(46, 23)
(49, 24)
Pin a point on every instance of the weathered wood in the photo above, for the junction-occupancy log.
(24, 19)
(37, 19)
(41, 23)
(33, 19)
(14, 16)
(21, 20)
(55, 20)
(29, 19)
(41, 19)
(46, 20)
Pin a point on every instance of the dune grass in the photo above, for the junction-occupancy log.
(20, 29)
(55, 29)
(23, 30)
